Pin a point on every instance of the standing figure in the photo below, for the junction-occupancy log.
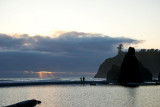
(83, 79)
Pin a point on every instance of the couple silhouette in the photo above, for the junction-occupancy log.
(82, 79)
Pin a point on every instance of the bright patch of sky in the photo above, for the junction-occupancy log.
(137, 19)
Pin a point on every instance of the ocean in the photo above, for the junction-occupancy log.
(79, 95)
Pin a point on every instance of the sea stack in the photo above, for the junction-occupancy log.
(129, 71)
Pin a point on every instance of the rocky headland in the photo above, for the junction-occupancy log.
(149, 64)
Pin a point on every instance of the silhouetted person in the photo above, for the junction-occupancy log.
(83, 79)
(129, 71)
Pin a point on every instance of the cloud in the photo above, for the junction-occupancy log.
(76, 52)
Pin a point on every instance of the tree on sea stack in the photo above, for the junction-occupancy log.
(120, 47)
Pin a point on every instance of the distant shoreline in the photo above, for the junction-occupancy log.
(149, 83)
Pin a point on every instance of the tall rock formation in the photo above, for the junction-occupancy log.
(129, 71)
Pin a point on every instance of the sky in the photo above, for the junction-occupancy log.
(72, 37)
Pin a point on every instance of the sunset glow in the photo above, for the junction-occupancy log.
(48, 74)
(42, 74)
(45, 74)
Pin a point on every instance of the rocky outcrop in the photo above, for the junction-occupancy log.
(149, 59)
(113, 73)
(129, 71)
(130, 68)
(159, 76)
(145, 73)
(106, 66)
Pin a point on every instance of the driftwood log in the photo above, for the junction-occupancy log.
(26, 103)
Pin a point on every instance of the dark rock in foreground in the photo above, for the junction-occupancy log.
(27, 103)
(130, 72)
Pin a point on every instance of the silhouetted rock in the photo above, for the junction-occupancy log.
(149, 61)
(114, 73)
(145, 73)
(106, 66)
(27, 103)
(130, 69)
(159, 76)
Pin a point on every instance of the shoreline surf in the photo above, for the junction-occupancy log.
(151, 83)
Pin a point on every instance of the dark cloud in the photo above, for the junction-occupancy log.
(69, 52)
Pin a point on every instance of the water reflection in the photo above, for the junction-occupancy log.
(87, 96)
(131, 93)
